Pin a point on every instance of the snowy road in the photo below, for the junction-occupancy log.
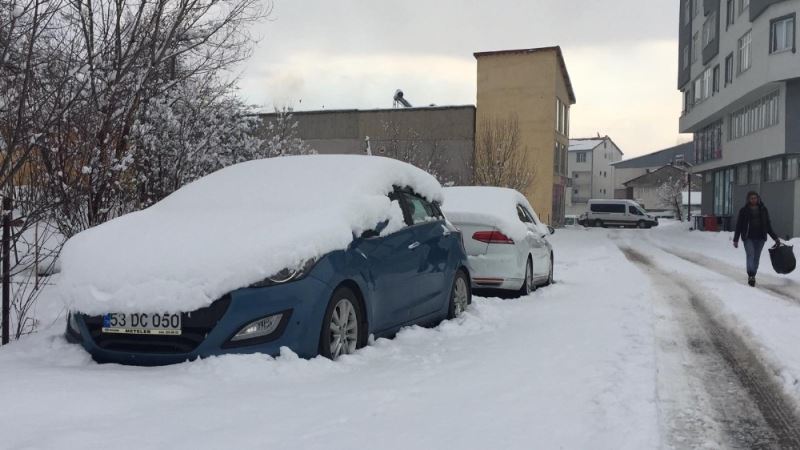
(648, 340)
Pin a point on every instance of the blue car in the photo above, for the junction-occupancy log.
(393, 275)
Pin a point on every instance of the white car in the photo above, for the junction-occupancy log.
(506, 243)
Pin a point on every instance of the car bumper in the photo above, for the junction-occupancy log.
(302, 302)
(501, 270)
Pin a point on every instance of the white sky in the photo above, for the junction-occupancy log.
(621, 56)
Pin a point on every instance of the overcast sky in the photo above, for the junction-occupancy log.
(621, 56)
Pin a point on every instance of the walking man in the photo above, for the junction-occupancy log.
(753, 226)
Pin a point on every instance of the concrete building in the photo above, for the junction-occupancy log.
(590, 164)
(629, 169)
(533, 86)
(439, 139)
(644, 189)
(740, 78)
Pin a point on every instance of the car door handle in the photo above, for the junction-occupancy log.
(414, 245)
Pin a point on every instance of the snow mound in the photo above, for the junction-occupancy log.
(491, 206)
(230, 229)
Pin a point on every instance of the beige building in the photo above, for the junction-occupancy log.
(533, 86)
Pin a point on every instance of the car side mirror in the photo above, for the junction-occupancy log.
(551, 229)
(375, 232)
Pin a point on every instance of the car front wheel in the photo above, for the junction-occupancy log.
(342, 332)
(460, 295)
(528, 286)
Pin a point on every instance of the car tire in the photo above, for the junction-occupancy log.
(460, 295)
(642, 225)
(344, 329)
(528, 285)
(599, 224)
(550, 279)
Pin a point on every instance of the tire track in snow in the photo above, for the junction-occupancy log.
(788, 291)
(748, 403)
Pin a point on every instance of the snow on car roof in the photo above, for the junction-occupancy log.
(487, 205)
(230, 229)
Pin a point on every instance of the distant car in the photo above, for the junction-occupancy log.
(570, 220)
(313, 253)
(506, 242)
(624, 213)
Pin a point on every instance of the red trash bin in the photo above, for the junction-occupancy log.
(710, 223)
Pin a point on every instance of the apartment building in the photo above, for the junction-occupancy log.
(533, 86)
(591, 168)
(739, 73)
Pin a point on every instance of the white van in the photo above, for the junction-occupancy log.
(624, 213)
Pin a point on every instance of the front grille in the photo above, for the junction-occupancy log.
(195, 327)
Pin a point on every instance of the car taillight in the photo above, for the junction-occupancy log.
(492, 237)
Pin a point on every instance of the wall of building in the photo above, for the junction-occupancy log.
(766, 68)
(604, 177)
(781, 198)
(524, 85)
(441, 136)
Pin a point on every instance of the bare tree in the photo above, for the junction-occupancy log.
(500, 158)
(408, 145)
(113, 58)
(670, 193)
(280, 137)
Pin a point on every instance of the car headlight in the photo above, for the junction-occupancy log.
(72, 324)
(258, 328)
(286, 275)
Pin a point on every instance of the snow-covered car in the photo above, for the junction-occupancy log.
(313, 253)
(506, 242)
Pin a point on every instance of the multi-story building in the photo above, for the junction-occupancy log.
(533, 86)
(739, 73)
(590, 165)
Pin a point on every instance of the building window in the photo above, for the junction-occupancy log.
(723, 192)
(715, 80)
(687, 12)
(756, 116)
(743, 6)
(580, 157)
(745, 60)
(698, 90)
(695, 46)
(775, 170)
(755, 172)
(781, 34)
(696, 6)
(730, 15)
(708, 143)
(729, 69)
(742, 175)
(685, 57)
(710, 29)
(562, 117)
(687, 100)
(793, 168)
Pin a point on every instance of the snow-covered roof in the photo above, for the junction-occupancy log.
(488, 205)
(231, 229)
(584, 144)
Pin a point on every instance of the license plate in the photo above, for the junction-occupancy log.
(156, 324)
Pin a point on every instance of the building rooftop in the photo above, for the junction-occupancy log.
(372, 110)
(584, 144)
(679, 153)
(556, 49)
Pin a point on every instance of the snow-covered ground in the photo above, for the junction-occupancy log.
(613, 356)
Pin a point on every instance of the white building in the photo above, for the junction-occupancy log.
(591, 171)
(739, 73)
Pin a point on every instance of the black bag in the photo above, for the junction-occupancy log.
(782, 257)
